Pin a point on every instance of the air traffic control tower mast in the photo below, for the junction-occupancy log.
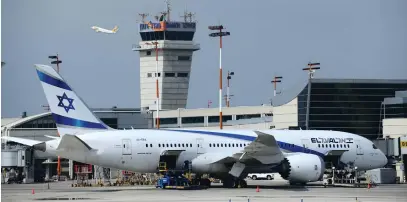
(175, 47)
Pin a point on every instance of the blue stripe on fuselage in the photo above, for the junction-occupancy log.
(282, 145)
(52, 81)
(76, 122)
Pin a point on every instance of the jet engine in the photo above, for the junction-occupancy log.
(203, 163)
(302, 168)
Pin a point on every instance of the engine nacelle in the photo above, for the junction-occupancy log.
(202, 164)
(302, 168)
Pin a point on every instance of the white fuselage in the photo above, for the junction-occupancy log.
(99, 29)
(140, 150)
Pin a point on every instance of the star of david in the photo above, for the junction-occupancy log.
(61, 102)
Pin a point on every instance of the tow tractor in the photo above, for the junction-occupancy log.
(173, 179)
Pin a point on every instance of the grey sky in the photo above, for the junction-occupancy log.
(351, 39)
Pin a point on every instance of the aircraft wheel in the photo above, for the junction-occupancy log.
(243, 184)
(229, 183)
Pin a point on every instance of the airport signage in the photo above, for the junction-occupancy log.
(403, 145)
(161, 26)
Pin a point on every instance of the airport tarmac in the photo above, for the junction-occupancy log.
(269, 191)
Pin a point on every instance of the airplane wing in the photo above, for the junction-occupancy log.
(263, 149)
(52, 137)
(72, 142)
(23, 141)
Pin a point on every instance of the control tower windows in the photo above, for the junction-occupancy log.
(184, 58)
(182, 74)
(149, 75)
(168, 74)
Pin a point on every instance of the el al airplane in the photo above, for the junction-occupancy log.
(99, 29)
(225, 154)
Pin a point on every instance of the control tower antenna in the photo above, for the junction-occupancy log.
(188, 15)
(167, 2)
(143, 16)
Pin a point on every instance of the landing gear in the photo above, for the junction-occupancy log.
(205, 182)
(232, 182)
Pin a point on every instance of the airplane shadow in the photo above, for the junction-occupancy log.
(269, 187)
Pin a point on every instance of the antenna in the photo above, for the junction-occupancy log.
(190, 16)
(143, 16)
(168, 9)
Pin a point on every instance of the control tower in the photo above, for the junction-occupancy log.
(175, 46)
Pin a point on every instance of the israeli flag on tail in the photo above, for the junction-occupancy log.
(70, 113)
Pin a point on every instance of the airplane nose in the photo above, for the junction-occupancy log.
(384, 159)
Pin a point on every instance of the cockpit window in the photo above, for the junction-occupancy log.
(374, 146)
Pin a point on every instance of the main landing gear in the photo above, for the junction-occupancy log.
(232, 182)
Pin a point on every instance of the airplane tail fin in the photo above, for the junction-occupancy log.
(70, 113)
(115, 29)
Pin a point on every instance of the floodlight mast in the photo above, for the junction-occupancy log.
(219, 34)
(311, 69)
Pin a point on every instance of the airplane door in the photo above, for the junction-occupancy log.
(126, 147)
(359, 150)
(304, 143)
(200, 146)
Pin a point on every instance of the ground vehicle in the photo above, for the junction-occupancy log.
(255, 176)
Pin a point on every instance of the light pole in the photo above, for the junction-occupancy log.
(219, 34)
(311, 69)
(230, 74)
(56, 61)
(155, 43)
(275, 81)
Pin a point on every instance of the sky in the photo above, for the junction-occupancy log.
(351, 39)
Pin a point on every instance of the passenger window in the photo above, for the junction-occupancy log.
(190, 145)
(167, 145)
(233, 145)
(124, 146)
(187, 145)
(198, 145)
(179, 145)
(329, 146)
(244, 144)
(217, 145)
(326, 145)
(151, 145)
(229, 145)
(319, 145)
(183, 145)
(221, 145)
(333, 146)
(170, 145)
(209, 144)
(241, 145)
(146, 145)
(322, 146)
(159, 145)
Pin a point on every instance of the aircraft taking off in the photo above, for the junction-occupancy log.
(299, 156)
(99, 29)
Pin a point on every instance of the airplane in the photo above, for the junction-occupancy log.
(99, 29)
(230, 155)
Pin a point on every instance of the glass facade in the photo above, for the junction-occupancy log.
(349, 107)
